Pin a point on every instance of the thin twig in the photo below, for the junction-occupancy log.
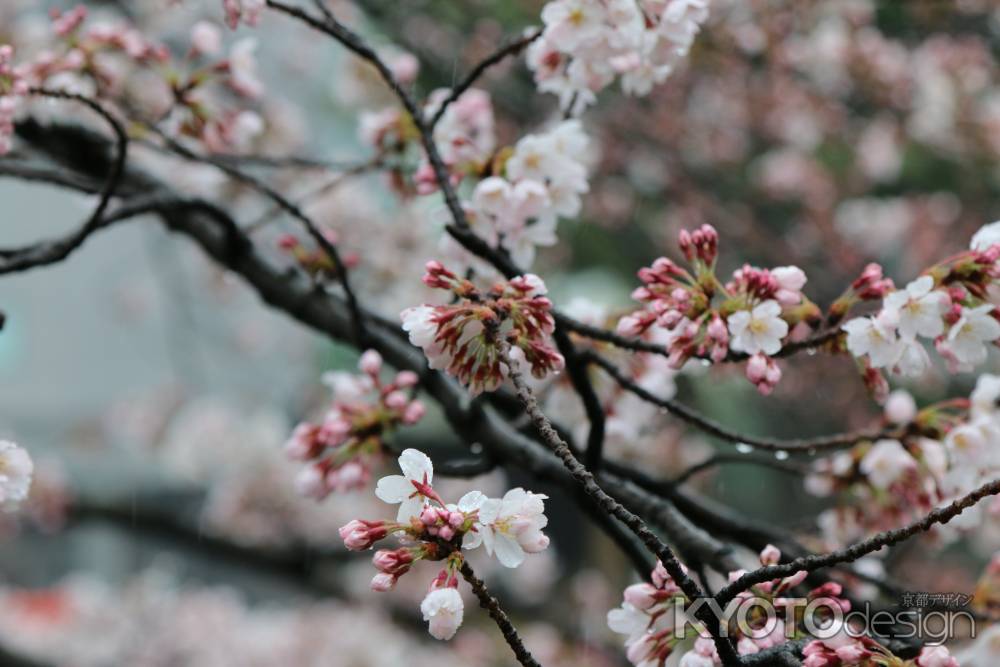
(510, 48)
(942, 515)
(683, 412)
(490, 604)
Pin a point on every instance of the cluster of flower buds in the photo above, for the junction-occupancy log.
(242, 11)
(587, 44)
(464, 338)
(751, 314)
(13, 87)
(433, 530)
(343, 448)
(315, 261)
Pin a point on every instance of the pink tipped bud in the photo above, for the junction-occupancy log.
(414, 412)
(770, 555)
(311, 483)
(446, 532)
(395, 562)
(396, 400)
(405, 379)
(383, 583)
(360, 535)
(370, 363)
(428, 516)
(288, 242)
(641, 596)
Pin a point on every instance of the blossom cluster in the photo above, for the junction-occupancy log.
(652, 614)
(465, 338)
(652, 617)
(938, 454)
(16, 469)
(751, 314)
(586, 44)
(350, 440)
(115, 61)
(541, 181)
(433, 530)
(948, 305)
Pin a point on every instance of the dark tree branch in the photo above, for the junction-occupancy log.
(584, 477)
(21, 259)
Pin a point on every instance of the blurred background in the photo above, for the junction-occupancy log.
(155, 391)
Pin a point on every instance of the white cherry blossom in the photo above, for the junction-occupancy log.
(918, 308)
(443, 610)
(968, 336)
(987, 236)
(511, 527)
(403, 489)
(874, 336)
(759, 330)
(886, 462)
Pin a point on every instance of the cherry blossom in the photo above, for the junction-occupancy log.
(918, 309)
(758, 330)
(511, 527)
(412, 489)
(16, 468)
(886, 462)
(443, 610)
(967, 337)
(874, 337)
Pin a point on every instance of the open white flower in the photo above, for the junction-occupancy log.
(918, 308)
(759, 330)
(511, 526)
(418, 473)
(967, 337)
(987, 236)
(16, 469)
(443, 610)
(874, 336)
(986, 395)
(886, 462)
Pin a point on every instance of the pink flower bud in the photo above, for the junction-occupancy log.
(383, 583)
(428, 516)
(405, 379)
(370, 363)
(641, 596)
(414, 412)
(396, 400)
(395, 562)
(311, 483)
(771, 555)
(360, 535)
(446, 532)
